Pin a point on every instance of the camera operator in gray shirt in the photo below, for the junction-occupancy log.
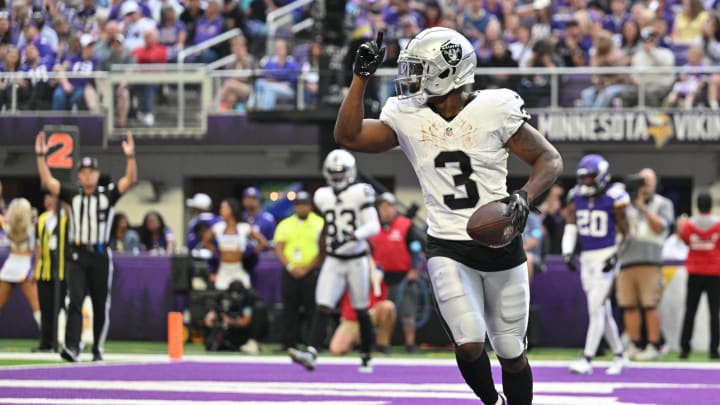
(640, 283)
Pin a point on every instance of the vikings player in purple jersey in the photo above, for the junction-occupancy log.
(596, 214)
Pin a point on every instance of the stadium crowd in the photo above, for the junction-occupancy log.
(93, 35)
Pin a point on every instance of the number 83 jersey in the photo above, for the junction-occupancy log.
(344, 212)
(461, 163)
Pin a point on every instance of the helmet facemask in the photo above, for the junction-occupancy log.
(410, 82)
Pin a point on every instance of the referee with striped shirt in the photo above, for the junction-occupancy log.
(89, 260)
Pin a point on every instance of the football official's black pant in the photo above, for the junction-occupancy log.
(297, 293)
(92, 272)
(696, 284)
(46, 297)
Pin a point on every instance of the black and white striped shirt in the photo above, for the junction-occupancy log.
(92, 214)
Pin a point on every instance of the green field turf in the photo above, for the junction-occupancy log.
(139, 347)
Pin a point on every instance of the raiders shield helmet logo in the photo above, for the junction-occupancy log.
(452, 53)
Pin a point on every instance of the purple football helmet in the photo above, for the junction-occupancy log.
(596, 167)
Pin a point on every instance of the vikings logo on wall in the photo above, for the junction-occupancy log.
(452, 53)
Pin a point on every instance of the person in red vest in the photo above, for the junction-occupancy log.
(382, 314)
(702, 235)
(397, 250)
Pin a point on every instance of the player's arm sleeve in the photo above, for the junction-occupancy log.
(569, 238)
(511, 113)
(620, 197)
(370, 221)
(389, 112)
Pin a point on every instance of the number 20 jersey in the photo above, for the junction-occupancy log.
(595, 216)
(461, 164)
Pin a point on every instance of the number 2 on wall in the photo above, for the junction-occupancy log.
(60, 151)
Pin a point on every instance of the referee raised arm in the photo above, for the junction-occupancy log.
(89, 261)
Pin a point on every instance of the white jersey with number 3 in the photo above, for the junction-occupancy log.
(461, 164)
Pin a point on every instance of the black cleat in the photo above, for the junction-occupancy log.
(69, 355)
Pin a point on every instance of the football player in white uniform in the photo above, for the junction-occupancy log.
(350, 219)
(458, 144)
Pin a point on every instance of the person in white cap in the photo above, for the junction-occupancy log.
(135, 25)
(201, 205)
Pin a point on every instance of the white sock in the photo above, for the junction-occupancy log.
(36, 315)
(714, 105)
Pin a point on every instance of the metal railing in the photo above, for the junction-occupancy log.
(282, 16)
(179, 74)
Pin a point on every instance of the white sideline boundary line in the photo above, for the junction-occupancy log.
(114, 359)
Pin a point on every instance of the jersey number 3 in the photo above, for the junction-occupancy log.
(463, 179)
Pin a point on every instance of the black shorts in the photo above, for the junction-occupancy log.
(477, 256)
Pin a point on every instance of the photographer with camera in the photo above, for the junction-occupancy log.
(640, 283)
(235, 322)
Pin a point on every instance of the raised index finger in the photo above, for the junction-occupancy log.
(379, 39)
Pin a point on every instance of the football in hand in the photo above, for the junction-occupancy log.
(492, 225)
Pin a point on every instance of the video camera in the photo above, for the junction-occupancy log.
(633, 184)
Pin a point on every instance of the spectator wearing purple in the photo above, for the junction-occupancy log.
(191, 15)
(47, 35)
(171, 32)
(260, 221)
(394, 14)
(614, 21)
(71, 93)
(6, 37)
(135, 25)
(38, 86)
(279, 80)
(209, 26)
(495, 7)
(155, 237)
(32, 34)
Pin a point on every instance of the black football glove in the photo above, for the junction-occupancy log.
(369, 56)
(570, 261)
(610, 264)
(518, 208)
